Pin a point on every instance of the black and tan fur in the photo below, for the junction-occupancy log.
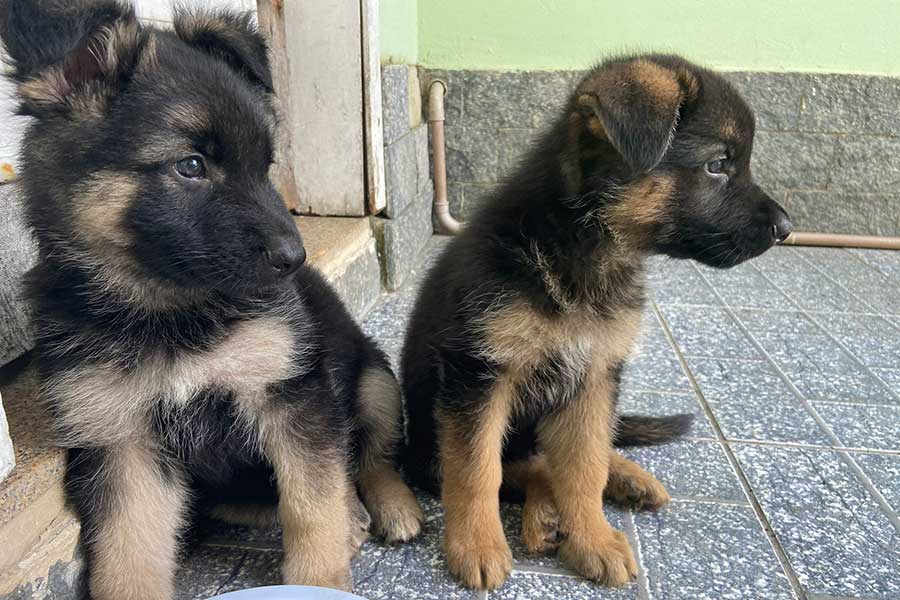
(514, 352)
(190, 360)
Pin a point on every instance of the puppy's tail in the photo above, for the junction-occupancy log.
(639, 430)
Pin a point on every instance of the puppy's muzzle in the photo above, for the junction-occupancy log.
(285, 256)
(782, 227)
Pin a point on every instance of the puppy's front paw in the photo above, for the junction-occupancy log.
(605, 557)
(337, 579)
(482, 564)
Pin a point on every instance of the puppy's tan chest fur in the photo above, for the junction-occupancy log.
(103, 403)
(521, 340)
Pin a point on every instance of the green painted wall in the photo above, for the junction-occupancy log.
(399, 31)
(766, 35)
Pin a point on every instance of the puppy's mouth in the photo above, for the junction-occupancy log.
(720, 250)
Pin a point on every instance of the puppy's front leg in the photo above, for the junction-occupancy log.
(577, 441)
(471, 450)
(312, 505)
(132, 507)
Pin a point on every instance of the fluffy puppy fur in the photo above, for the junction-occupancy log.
(514, 352)
(188, 356)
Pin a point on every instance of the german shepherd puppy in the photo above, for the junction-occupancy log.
(514, 351)
(187, 354)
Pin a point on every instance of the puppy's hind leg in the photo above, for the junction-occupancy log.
(132, 508)
(540, 519)
(396, 514)
(630, 485)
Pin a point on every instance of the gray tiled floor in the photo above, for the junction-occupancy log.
(787, 485)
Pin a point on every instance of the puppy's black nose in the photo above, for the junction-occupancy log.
(286, 256)
(782, 227)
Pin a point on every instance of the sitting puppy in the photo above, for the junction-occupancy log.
(187, 355)
(516, 345)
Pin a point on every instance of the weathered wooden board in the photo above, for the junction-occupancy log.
(323, 45)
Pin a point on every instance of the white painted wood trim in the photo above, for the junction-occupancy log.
(7, 456)
(376, 196)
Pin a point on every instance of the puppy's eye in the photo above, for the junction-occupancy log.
(716, 167)
(191, 167)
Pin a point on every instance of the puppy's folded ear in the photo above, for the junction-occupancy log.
(69, 56)
(229, 36)
(635, 105)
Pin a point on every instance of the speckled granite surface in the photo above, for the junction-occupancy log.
(788, 484)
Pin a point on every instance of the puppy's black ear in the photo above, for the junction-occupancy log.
(69, 56)
(635, 105)
(229, 36)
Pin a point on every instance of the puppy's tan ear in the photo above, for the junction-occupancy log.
(635, 106)
(70, 57)
(229, 36)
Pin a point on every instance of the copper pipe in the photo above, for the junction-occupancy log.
(837, 240)
(446, 223)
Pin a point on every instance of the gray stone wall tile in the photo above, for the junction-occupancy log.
(395, 101)
(421, 141)
(495, 99)
(474, 195)
(414, 97)
(360, 285)
(471, 154)
(843, 212)
(550, 91)
(866, 164)
(790, 160)
(512, 145)
(402, 238)
(851, 104)
(401, 178)
(775, 98)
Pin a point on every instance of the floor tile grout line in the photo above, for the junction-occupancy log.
(861, 476)
(803, 446)
(852, 313)
(238, 545)
(526, 569)
(643, 582)
(768, 531)
(706, 500)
